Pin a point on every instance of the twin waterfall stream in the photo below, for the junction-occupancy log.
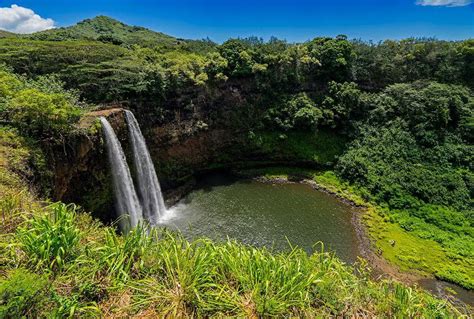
(146, 205)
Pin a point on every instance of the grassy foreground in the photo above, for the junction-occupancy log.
(58, 262)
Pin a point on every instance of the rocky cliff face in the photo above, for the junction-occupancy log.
(81, 169)
(183, 149)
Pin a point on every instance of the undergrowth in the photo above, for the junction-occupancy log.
(317, 148)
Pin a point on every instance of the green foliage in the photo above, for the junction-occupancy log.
(215, 66)
(39, 108)
(466, 51)
(108, 80)
(71, 307)
(9, 84)
(411, 156)
(37, 113)
(445, 219)
(184, 69)
(45, 57)
(274, 284)
(343, 106)
(379, 65)
(22, 162)
(22, 294)
(14, 155)
(334, 55)
(391, 166)
(51, 240)
(291, 67)
(188, 276)
(6, 34)
(238, 56)
(119, 256)
(412, 148)
(95, 49)
(296, 112)
(403, 238)
(316, 148)
(431, 110)
(307, 116)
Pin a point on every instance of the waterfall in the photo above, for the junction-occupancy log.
(148, 186)
(126, 199)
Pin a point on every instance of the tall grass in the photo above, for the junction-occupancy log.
(50, 240)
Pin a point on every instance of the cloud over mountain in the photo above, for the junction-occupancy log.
(23, 20)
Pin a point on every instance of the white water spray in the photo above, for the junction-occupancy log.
(148, 186)
(126, 199)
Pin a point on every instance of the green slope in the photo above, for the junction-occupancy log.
(109, 30)
(6, 34)
(105, 29)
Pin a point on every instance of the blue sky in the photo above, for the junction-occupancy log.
(296, 20)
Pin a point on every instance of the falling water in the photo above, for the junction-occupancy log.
(126, 199)
(148, 185)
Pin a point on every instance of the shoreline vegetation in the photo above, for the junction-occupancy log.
(379, 265)
(378, 230)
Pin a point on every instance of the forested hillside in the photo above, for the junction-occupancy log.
(400, 112)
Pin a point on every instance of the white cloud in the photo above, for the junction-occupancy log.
(444, 3)
(23, 20)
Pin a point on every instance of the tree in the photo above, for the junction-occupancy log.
(238, 54)
(41, 114)
(466, 49)
(342, 105)
(296, 112)
(335, 55)
(431, 110)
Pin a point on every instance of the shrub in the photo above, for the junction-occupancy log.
(9, 83)
(40, 114)
(295, 112)
(21, 293)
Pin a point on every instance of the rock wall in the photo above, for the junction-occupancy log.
(81, 173)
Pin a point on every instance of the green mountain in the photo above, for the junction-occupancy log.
(6, 34)
(109, 30)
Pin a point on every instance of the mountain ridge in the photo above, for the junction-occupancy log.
(109, 30)
(105, 29)
(7, 34)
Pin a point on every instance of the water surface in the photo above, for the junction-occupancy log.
(271, 215)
